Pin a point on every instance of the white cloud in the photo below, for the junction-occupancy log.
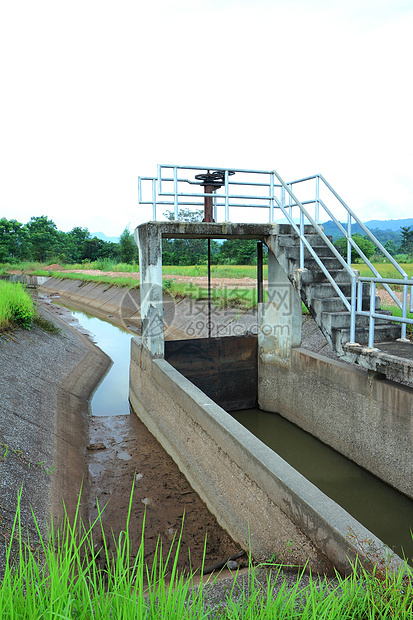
(97, 93)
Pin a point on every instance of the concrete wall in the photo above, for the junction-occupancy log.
(360, 414)
(256, 496)
(121, 304)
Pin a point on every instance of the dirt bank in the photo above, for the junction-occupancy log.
(45, 383)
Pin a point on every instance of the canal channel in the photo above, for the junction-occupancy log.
(383, 510)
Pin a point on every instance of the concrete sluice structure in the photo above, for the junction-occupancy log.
(177, 389)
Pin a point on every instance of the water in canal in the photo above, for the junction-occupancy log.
(384, 511)
(112, 395)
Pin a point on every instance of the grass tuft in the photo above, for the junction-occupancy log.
(16, 306)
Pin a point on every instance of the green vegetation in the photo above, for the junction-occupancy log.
(40, 240)
(17, 309)
(217, 271)
(242, 298)
(385, 269)
(45, 325)
(397, 312)
(60, 576)
(364, 243)
(104, 279)
(16, 306)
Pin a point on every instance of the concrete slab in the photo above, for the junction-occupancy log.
(394, 360)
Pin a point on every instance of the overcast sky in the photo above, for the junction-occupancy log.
(95, 93)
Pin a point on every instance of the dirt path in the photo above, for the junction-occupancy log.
(123, 451)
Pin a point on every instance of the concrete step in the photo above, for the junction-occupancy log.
(341, 320)
(381, 333)
(322, 251)
(319, 290)
(330, 262)
(313, 276)
(335, 304)
(287, 230)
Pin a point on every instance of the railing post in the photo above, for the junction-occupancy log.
(353, 311)
(159, 179)
(154, 199)
(372, 310)
(317, 199)
(348, 239)
(301, 240)
(226, 197)
(271, 197)
(290, 200)
(359, 295)
(176, 192)
(404, 309)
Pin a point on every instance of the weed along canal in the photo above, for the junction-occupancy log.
(122, 450)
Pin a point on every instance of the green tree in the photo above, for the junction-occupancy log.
(391, 247)
(128, 248)
(14, 240)
(406, 246)
(94, 249)
(75, 242)
(43, 237)
(238, 252)
(363, 242)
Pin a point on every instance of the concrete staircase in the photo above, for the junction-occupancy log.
(319, 295)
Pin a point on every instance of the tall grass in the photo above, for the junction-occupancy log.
(61, 577)
(16, 306)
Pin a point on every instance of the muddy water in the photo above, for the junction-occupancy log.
(384, 511)
(112, 395)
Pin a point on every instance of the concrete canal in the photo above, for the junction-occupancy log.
(381, 509)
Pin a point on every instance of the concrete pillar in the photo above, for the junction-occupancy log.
(280, 319)
(149, 240)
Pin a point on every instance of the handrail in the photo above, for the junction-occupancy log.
(276, 194)
(364, 227)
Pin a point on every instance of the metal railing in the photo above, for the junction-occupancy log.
(265, 189)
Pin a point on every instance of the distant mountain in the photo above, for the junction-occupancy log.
(383, 230)
(101, 235)
(389, 224)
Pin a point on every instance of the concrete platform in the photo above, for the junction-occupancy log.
(394, 360)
